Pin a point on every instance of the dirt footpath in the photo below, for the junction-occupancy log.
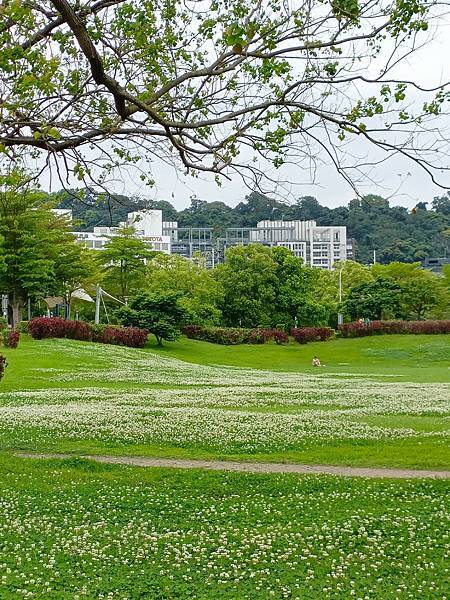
(251, 467)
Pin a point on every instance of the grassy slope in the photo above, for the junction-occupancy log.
(418, 452)
(421, 358)
(404, 357)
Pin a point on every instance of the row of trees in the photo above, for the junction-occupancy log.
(260, 286)
(256, 286)
(397, 233)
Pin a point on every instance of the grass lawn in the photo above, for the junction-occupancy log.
(75, 529)
(402, 357)
(68, 396)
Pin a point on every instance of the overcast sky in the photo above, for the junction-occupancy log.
(399, 179)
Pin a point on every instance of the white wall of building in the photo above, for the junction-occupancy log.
(147, 223)
(148, 227)
(318, 246)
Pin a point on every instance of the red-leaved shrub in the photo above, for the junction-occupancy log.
(393, 327)
(120, 336)
(279, 336)
(193, 332)
(259, 336)
(10, 338)
(303, 335)
(54, 327)
(228, 336)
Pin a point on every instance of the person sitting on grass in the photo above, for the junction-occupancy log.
(316, 362)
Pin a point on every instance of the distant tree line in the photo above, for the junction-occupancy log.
(395, 232)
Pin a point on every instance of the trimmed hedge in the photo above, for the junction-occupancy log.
(120, 336)
(229, 336)
(393, 327)
(279, 336)
(303, 335)
(232, 336)
(55, 327)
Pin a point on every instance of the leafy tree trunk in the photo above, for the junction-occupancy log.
(16, 307)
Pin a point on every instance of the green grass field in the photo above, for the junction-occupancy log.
(402, 357)
(75, 529)
(68, 396)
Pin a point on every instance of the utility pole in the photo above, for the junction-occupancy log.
(98, 296)
(374, 257)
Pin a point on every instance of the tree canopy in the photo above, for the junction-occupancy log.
(38, 254)
(374, 300)
(159, 313)
(268, 287)
(213, 84)
(199, 293)
(123, 260)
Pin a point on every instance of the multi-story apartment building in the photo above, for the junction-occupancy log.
(318, 246)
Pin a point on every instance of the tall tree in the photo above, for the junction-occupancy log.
(330, 286)
(214, 84)
(123, 260)
(423, 292)
(75, 267)
(374, 300)
(33, 239)
(200, 293)
(295, 301)
(248, 278)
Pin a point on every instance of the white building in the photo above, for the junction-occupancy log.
(318, 246)
(148, 227)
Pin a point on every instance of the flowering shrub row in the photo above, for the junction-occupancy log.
(303, 335)
(45, 327)
(231, 336)
(391, 327)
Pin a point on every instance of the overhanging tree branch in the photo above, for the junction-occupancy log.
(212, 90)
